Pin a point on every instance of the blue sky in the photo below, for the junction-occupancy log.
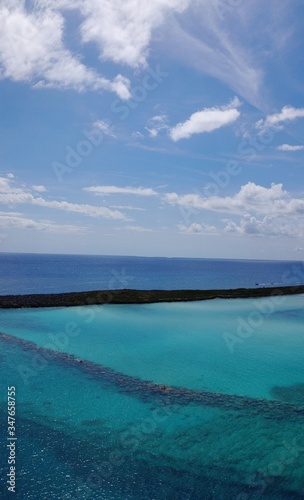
(169, 128)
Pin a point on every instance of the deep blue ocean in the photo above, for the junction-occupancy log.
(41, 273)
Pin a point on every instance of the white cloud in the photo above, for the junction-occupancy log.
(156, 124)
(5, 183)
(268, 226)
(122, 29)
(196, 228)
(11, 195)
(17, 221)
(33, 45)
(121, 86)
(251, 198)
(39, 189)
(105, 127)
(288, 147)
(104, 190)
(32, 50)
(287, 114)
(268, 211)
(153, 132)
(207, 120)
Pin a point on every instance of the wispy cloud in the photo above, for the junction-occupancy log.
(128, 207)
(39, 189)
(210, 43)
(207, 120)
(17, 221)
(105, 127)
(84, 209)
(287, 114)
(288, 147)
(138, 229)
(232, 42)
(156, 124)
(11, 195)
(137, 135)
(104, 190)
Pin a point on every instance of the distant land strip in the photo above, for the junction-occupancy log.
(129, 296)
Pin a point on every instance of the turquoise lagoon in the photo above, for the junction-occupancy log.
(161, 401)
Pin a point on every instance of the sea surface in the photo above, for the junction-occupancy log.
(35, 273)
(173, 401)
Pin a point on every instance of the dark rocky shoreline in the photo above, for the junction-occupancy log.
(128, 296)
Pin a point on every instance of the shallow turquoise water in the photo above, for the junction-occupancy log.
(198, 345)
(91, 437)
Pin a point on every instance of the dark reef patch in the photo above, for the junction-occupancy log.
(289, 394)
(163, 394)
